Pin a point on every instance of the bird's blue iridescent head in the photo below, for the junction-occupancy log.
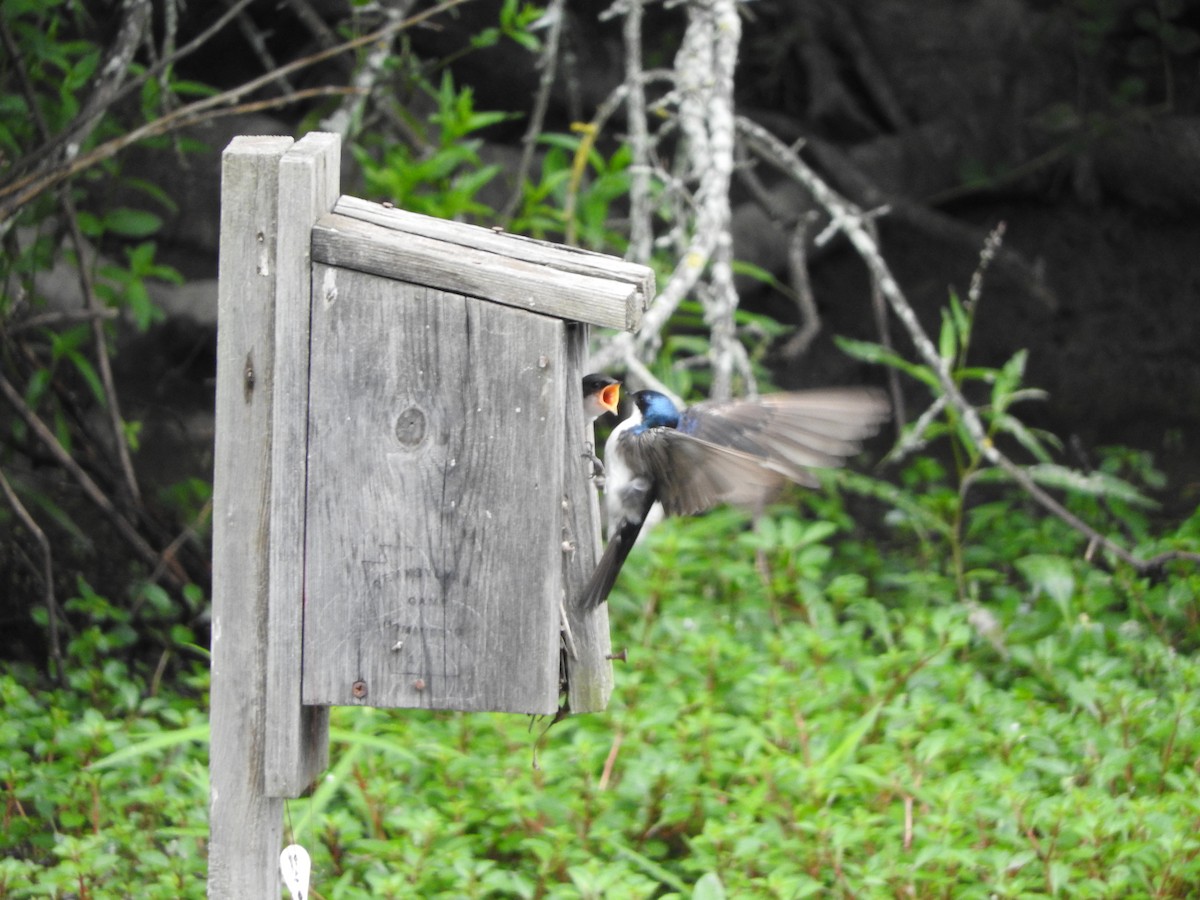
(657, 410)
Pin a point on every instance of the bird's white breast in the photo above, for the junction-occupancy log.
(619, 477)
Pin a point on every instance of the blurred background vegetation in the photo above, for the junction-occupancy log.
(914, 682)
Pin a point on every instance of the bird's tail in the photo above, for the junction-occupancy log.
(620, 542)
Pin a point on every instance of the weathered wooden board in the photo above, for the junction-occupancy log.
(514, 246)
(352, 243)
(434, 496)
(246, 824)
(587, 641)
(297, 740)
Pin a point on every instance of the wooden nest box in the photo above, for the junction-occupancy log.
(403, 506)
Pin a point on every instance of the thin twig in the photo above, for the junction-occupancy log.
(610, 761)
(313, 22)
(879, 309)
(555, 14)
(91, 302)
(189, 532)
(58, 319)
(253, 36)
(802, 292)
(100, 346)
(47, 573)
(925, 218)
(174, 574)
(107, 90)
(347, 118)
(20, 191)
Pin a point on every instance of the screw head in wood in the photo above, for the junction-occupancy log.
(358, 690)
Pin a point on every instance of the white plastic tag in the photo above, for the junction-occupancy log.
(295, 864)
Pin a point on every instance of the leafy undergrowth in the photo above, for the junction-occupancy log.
(806, 711)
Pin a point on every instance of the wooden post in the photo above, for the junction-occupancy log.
(246, 825)
(297, 739)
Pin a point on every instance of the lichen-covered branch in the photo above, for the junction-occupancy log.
(701, 107)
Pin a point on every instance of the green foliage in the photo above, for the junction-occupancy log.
(442, 175)
(806, 710)
(935, 509)
(440, 172)
(104, 782)
(55, 362)
(516, 18)
(573, 200)
(686, 340)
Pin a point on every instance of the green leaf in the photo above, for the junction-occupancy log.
(88, 372)
(89, 224)
(961, 318)
(904, 501)
(153, 743)
(1028, 439)
(650, 867)
(948, 340)
(1008, 380)
(709, 887)
(844, 751)
(875, 353)
(132, 223)
(1053, 576)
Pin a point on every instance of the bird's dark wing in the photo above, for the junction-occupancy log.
(687, 475)
(691, 475)
(791, 432)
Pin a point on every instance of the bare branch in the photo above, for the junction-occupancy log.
(56, 319)
(20, 191)
(810, 319)
(641, 231)
(109, 78)
(46, 574)
(348, 116)
(850, 222)
(254, 37)
(91, 302)
(313, 22)
(555, 14)
(174, 574)
(704, 73)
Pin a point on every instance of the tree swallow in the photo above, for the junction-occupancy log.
(739, 451)
(600, 395)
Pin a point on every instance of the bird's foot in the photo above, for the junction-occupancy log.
(589, 453)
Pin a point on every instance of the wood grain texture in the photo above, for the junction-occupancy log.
(589, 671)
(434, 497)
(297, 736)
(246, 825)
(476, 271)
(514, 246)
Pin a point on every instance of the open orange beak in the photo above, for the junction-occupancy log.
(609, 396)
